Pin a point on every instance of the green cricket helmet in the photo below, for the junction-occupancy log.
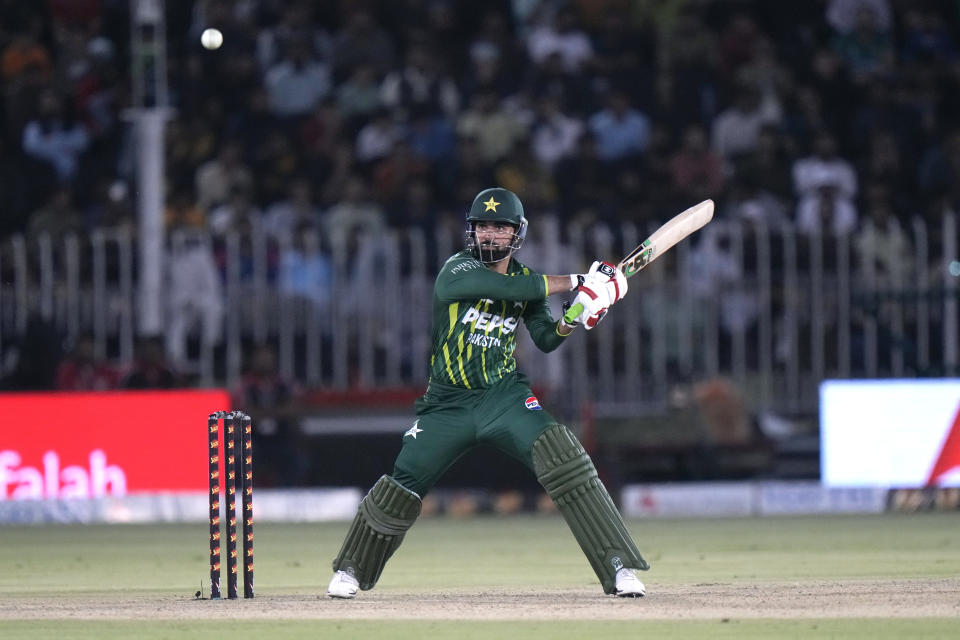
(496, 205)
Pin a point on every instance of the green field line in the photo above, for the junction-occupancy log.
(477, 630)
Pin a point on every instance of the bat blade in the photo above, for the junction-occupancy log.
(672, 232)
(660, 241)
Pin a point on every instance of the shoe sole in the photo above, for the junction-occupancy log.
(630, 595)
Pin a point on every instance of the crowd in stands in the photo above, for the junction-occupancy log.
(315, 120)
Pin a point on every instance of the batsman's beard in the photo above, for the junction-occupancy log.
(490, 253)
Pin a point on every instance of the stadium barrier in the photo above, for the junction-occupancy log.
(773, 310)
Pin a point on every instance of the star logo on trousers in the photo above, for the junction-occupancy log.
(414, 430)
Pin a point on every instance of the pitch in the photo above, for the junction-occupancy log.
(889, 576)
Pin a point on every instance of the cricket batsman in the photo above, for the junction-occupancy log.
(475, 395)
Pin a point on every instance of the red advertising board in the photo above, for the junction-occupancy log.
(66, 445)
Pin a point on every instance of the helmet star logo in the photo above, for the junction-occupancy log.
(491, 204)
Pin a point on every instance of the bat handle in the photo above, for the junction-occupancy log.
(571, 315)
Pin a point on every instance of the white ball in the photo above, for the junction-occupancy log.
(211, 38)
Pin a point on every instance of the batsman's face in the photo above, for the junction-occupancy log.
(494, 235)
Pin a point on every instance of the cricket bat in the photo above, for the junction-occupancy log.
(672, 232)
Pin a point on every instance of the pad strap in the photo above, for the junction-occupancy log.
(565, 470)
(383, 518)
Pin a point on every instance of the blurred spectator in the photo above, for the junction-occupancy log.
(768, 164)
(305, 271)
(323, 129)
(497, 57)
(736, 129)
(356, 212)
(298, 207)
(24, 55)
(867, 49)
(56, 219)
(218, 178)
(521, 173)
(883, 162)
(112, 207)
(562, 35)
(55, 136)
(391, 174)
(239, 214)
(358, 98)
(824, 166)
(361, 41)
(697, 172)
(150, 369)
(274, 404)
(827, 83)
(623, 51)
(825, 210)
(182, 212)
(495, 130)
(739, 42)
(555, 134)
(431, 136)
(881, 243)
(376, 139)
(194, 295)
(687, 80)
(420, 84)
(621, 132)
(297, 23)
(275, 163)
(844, 15)
(298, 82)
(713, 266)
(81, 370)
(749, 199)
(927, 39)
(31, 363)
(826, 185)
(939, 170)
(582, 179)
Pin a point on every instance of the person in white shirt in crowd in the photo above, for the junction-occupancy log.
(298, 82)
(555, 134)
(560, 34)
(736, 129)
(376, 139)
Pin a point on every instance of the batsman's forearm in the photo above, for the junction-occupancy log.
(560, 284)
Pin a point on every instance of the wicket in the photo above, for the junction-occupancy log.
(232, 421)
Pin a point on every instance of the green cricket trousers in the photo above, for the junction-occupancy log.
(451, 421)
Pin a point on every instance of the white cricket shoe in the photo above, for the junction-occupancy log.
(344, 585)
(629, 585)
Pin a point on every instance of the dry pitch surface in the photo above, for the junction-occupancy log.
(843, 599)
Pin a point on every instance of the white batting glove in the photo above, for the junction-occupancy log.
(607, 275)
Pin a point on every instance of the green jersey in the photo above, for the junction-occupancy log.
(476, 313)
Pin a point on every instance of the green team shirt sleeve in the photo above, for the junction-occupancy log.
(465, 277)
(476, 313)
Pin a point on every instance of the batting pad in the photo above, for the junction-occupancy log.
(567, 473)
(384, 516)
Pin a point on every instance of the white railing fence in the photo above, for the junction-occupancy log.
(773, 310)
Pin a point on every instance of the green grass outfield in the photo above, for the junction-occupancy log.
(129, 581)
